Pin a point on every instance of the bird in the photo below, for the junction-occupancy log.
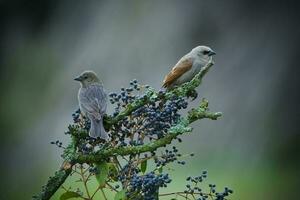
(92, 100)
(188, 66)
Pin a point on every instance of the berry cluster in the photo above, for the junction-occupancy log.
(127, 172)
(76, 116)
(57, 143)
(84, 122)
(220, 195)
(192, 187)
(126, 95)
(150, 121)
(158, 118)
(195, 181)
(169, 156)
(146, 186)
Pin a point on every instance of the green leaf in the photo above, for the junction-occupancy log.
(121, 195)
(113, 171)
(160, 169)
(69, 195)
(103, 173)
(144, 166)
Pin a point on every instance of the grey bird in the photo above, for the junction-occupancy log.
(93, 102)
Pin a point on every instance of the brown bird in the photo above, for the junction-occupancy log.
(188, 66)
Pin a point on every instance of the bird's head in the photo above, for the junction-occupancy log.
(203, 52)
(87, 77)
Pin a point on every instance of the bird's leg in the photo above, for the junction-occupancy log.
(193, 94)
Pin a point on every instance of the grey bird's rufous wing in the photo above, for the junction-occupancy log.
(179, 69)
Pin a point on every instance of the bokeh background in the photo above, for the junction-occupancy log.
(254, 148)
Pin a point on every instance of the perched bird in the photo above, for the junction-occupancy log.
(188, 66)
(92, 102)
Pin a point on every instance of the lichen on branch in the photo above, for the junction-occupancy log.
(179, 129)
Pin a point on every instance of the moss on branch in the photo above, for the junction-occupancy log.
(181, 128)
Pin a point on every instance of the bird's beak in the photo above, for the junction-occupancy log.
(78, 78)
(211, 53)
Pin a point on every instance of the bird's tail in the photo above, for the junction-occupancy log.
(97, 129)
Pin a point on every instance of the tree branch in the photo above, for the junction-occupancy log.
(181, 128)
(183, 90)
(53, 184)
(61, 175)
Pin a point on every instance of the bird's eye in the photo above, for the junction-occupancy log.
(85, 77)
(205, 52)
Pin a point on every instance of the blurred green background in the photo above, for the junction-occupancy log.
(254, 148)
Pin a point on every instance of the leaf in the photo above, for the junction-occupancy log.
(69, 195)
(144, 166)
(103, 173)
(121, 195)
(160, 169)
(113, 171)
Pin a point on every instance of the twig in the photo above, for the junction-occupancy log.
(84, 180)
(111, 187)
(189, 193)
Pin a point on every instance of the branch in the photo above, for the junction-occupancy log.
(183, 90)
(61, 175)
(179, 129)
(53, 184)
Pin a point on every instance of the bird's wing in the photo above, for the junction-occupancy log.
(94, 101)
(180, 68)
